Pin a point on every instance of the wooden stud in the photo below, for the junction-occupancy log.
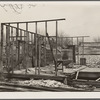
(8, 47)
(83, 46)
(17, 34)
(77, 51)
(36, 48)
(24, 43)
(21, 35)
(45, 44)
(12, 51)
(39, 55)
(72, 40)
(56, 46)
(38, 21)
(1, 53)
(26, 46)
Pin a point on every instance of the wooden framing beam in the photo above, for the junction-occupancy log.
(1, 52)
(45, 43)
(83, 46)
(27, 46)
(25, 30)
(35, 21)
(39, 56)
(36, 48)
(21, 35)
(56, 47)
(8, 47)
(70, 37)
(77, 51)
(12, 51)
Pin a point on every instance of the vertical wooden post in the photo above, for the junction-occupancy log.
(27, 34)
(39, 55)
(24, 50)
(45, 43)
(32, 50)
(83, 46)
(72, 40)
(61, 46)
(17, 55)
(36, 48)
(21, 35)
(32, 38)
(77, 51)
(8, 47)
(24, 42)
(1, 52)
(12, 51)
(56, 46)
(26, 47)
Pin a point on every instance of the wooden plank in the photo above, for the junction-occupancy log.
(77, 51)
(36, 48)
(24, 30)
(12, 51)
(86, 82)
(1, 52)
(28, 76)
(51, 49)
(36, 21)
(56, 46)
(27, 46)
(71, 37)
(18, 45)
(77, 75)
(72, 40)
(45, 44)
(83, 47)
(8, 47)
(39, 55)
(21, 35)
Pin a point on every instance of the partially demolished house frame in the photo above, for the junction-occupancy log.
(35, 39)
(11, 37)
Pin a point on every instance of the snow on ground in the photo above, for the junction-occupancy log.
(44, 83)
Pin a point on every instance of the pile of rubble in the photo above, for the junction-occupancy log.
(44, 83)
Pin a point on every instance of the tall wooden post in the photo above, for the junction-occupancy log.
(21, 35)
(83, 46)
(17, 34)
(1, 52)
(56, 46)
(26, 46)
(45, 43)
(77, 51)
(8, 47)
(39, 55)
(36, 48)
(72, 40)
(12, 51)
(32, 50)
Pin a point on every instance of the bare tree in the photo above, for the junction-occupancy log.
(96, 39)
(64, 40)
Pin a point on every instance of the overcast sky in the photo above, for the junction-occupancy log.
(82, 18)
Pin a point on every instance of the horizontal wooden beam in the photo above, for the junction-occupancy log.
(35, 21)
(86, 82)
(23, 76)
(71, 37)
